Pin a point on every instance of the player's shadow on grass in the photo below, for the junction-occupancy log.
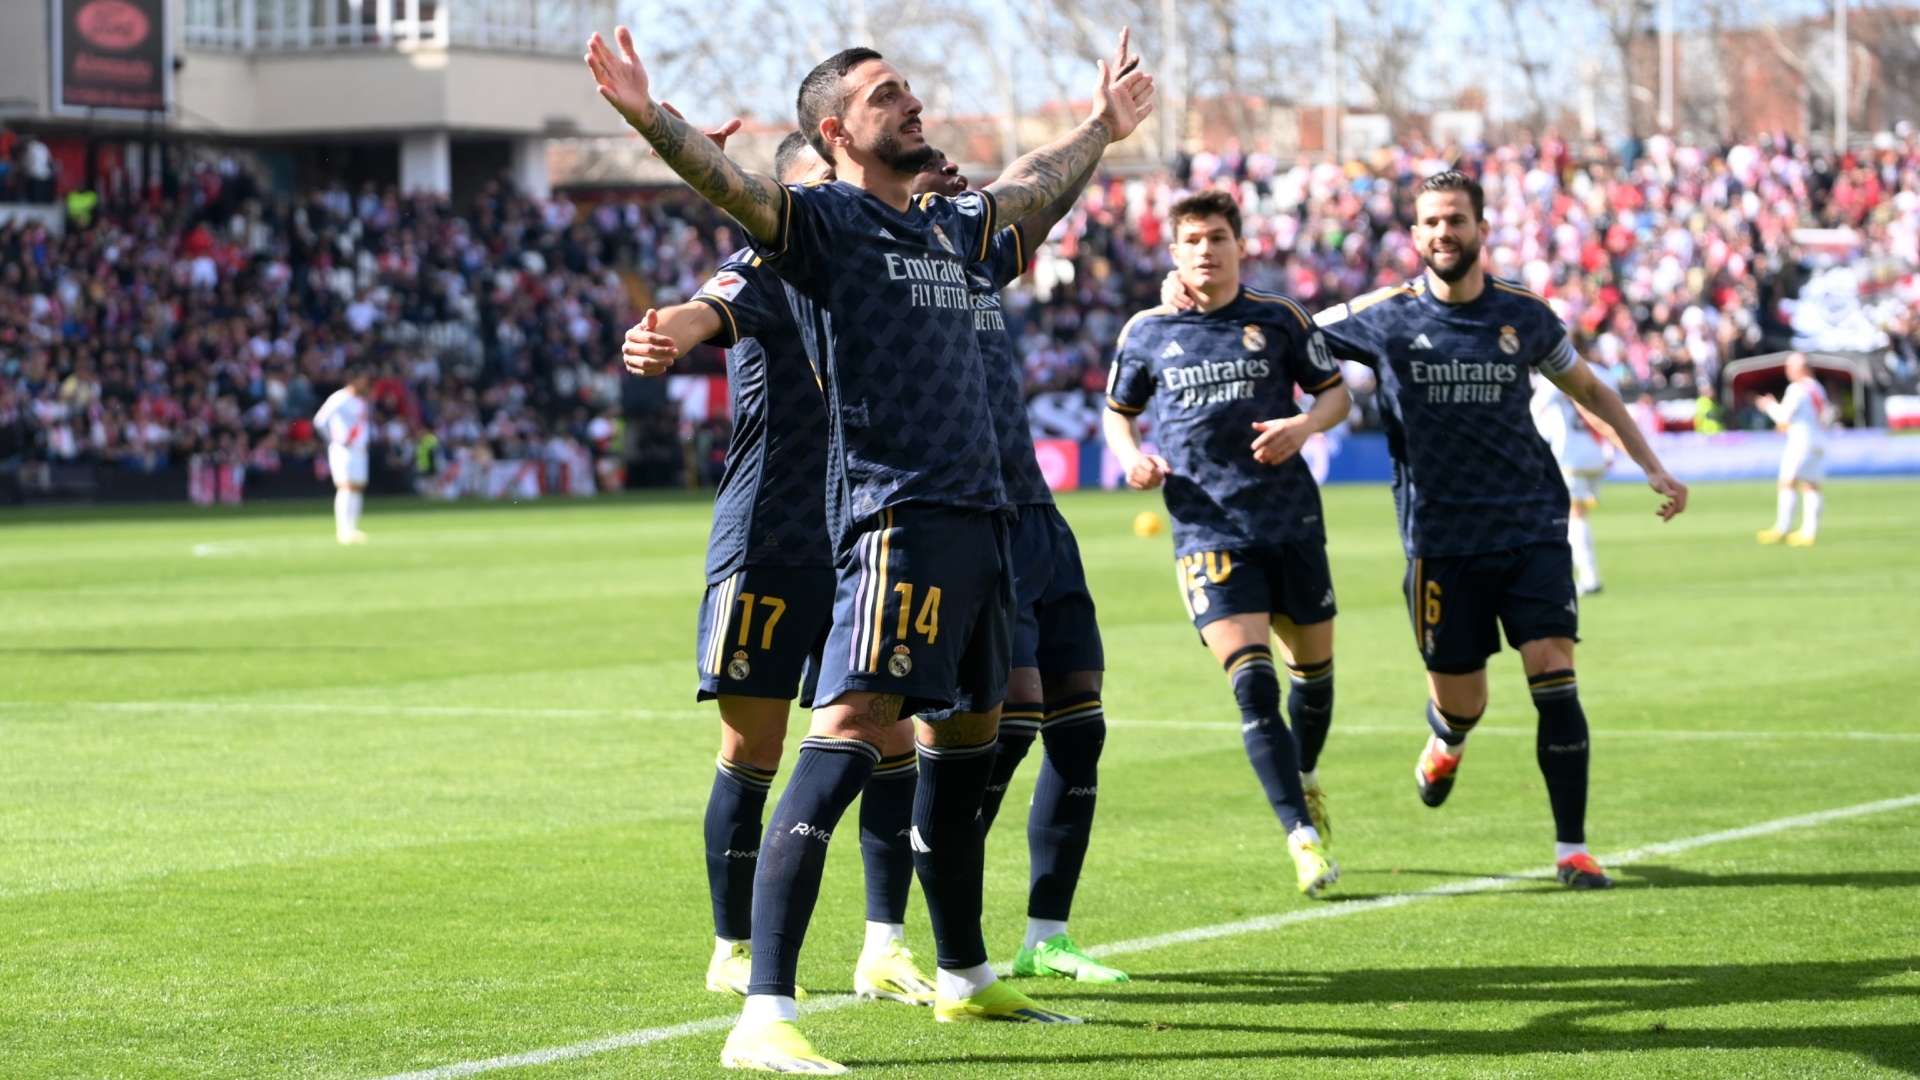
(177, 650)
(1575, 995)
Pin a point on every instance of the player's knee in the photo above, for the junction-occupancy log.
(1073, 683)
(868, 718)
(959, 729)
(1024, 684)
(1546, 654)
(1255, 681)
(1311, 683)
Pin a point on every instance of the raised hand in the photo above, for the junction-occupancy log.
(621, 78)
(1124, 97)
(646, 350)
(718, 135)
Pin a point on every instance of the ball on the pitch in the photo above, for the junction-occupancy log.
(1146, 523)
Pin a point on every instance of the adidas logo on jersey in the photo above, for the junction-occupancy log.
(1421, 342)
(1327, 600)
(1172, 350)
(885, 235)
(917, 844)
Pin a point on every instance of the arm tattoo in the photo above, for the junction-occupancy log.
(1039, 178)
(1034, 230)
(752, 199)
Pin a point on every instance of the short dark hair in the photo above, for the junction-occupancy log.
(1455, 180)
(823, 92)
(789, 150)
(1206, 204)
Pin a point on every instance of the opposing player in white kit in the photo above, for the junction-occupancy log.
(1575, 439)
(1803, 414)
(346, 421)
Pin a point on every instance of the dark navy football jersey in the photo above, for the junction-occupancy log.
(906, 388)
(1208, 377)
(771, 507)
(1006, 375)
(1471, 472)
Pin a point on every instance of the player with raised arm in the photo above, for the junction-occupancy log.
(1250, 544)
(1803, 414)
(346, 419)
(1574, 439)
(915, 500)
(769, 600)
(1053, 691)
(1481, 505)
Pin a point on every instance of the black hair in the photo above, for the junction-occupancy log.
(1206, 204)
(1455, 180)
(823, 93)
(789, 150)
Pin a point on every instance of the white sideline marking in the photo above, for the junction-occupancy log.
(1601, 733)
(647, 1036)
(1679, 734)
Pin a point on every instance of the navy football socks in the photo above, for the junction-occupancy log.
(886, 816)
(1270, 747)
(1019, 724)
(1561, 747)
(1450, 729)
(1061, 822)
(733, 845)
(949, 848)
(1310, 709)
(827, 775)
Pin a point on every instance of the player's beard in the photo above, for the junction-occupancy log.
(901, 160)
(1468, 256)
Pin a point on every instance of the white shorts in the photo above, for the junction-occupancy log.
(349, 466)
(1803, 465)
(1583, 487)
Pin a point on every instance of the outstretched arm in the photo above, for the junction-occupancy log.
(663, 336)
(752, 199)
(1035, 229)
(1598, 398)
(1033, 182)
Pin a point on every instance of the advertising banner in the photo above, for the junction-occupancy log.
(111, 54)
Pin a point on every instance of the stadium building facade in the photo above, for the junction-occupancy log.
(432, 95)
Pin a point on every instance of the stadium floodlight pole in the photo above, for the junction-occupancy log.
(1666, 66)
(1172, 125)
(1840, 91)
(1330, 122)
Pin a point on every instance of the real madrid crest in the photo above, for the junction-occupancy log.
(738, 668)
(1253, 337)
(901, 662)
(940, 234)
(1509, 340)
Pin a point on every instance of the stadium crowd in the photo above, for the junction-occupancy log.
(214, 322)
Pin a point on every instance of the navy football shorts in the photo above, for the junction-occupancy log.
(758, 626)
(1053, 620)
(1456, 601)
(922, 610)
(1279, 579)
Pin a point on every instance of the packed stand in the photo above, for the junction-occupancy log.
(214, 324)
(1666, 260)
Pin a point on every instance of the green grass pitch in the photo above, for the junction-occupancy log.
(270, 807)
